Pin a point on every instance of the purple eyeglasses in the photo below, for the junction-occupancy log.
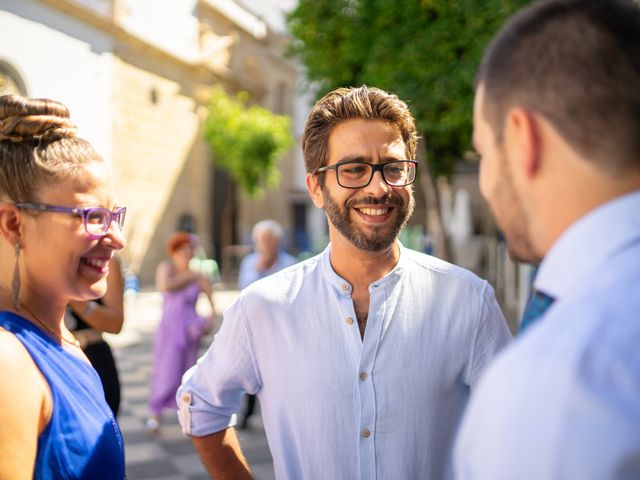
(96, 220)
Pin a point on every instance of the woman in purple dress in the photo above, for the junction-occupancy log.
(178, 337)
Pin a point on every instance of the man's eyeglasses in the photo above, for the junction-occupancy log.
(96, 220)
(397, 173)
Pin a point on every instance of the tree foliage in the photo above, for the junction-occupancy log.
(247, 141)
(425, 51)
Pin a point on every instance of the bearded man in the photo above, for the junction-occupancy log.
(363, 357)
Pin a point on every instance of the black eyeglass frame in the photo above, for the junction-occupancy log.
(118, 214)
(375, 167)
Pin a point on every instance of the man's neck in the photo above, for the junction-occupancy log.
(361, 268)
(580, 188)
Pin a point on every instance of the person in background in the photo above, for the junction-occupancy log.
(557, 124)
(268, 257)
(177, 339)
(363, 357)
(87, 319)
(59, 227)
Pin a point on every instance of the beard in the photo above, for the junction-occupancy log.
(512, 219)
(381, 238)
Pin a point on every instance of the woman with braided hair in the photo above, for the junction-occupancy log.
(59, 228)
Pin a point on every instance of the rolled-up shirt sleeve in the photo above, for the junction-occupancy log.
(211, 391)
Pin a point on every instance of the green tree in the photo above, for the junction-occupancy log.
(425, 51)
(247, 141)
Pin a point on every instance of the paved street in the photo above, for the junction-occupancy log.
(168, 455)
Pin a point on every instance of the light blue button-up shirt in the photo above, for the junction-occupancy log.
(334, 405)
(563, 402)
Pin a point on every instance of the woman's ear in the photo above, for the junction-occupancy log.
(10, 223)
(315, 191)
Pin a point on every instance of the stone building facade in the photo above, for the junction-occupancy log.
(136, 76)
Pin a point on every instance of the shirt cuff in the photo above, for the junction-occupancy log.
(197, 418)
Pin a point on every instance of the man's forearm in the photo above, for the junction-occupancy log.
(222, 456)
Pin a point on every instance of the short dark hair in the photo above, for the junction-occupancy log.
(576, 63)
(347, 103)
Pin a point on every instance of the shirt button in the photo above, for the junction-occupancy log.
(349, 321)
(345, 287)
(366, 433)
(363, 376)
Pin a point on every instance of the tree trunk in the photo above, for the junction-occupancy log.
(227, 234)
(435, 227)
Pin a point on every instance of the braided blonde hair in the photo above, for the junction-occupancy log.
(38, 146)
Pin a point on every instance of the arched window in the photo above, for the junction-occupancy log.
(10, 80)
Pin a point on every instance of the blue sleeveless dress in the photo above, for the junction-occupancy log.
(82, 439)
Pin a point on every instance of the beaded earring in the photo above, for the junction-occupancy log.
(15, 283)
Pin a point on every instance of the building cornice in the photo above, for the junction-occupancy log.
(109, 25)
(239, 16)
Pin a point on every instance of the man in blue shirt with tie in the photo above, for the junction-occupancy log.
(557, 124)
(364, 356)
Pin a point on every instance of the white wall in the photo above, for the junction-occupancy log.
(62, 59)
(167, 24)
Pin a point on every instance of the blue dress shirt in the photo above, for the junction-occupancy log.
(336, 406)
(563, 402)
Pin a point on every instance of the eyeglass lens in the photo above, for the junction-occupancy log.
(359, 174)
(98, 220)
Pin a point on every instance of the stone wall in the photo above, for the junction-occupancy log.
(162, 165)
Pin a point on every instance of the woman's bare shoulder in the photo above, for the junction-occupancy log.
(26, 407)
(19, 371)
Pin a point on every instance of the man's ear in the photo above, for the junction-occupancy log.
(10, 223)
(315, 191)
(522, 141)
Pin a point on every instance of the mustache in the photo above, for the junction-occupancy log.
(389, 200)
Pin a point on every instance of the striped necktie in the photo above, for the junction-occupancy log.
(538, 304)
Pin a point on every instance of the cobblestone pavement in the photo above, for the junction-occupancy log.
(168, 455)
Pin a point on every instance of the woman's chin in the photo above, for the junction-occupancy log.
(95, 290)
